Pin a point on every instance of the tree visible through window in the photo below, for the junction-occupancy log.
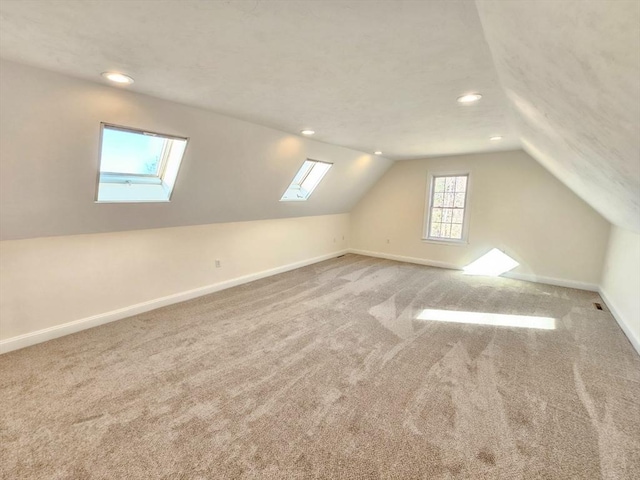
(138, 166)
(447, 203)
(131, 153)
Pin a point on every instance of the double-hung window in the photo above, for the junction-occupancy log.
(138, 166)
(447, 217)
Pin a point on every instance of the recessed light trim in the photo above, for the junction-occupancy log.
(469, 98)
(307, 131)
(496, 138)
(118, 77)
(377, 152)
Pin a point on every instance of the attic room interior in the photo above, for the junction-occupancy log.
(320, 239)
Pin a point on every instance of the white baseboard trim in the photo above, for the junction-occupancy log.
(516, 276)
(558, 282)
(39, 336)
(623, 325)
(401, 258)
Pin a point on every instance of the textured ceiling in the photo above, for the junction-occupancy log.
(571, 72)
(379, 75)
(232, 170)
(370, 75)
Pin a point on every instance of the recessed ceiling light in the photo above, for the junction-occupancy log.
(469, 98)
(377, 152)
(306, 131)
(118, 77)
(497, 138)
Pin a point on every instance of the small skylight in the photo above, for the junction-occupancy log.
(138, 166)
(306, 180)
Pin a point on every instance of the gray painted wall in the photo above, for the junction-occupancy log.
(232, 170)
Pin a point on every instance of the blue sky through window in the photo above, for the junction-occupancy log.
(130, 152)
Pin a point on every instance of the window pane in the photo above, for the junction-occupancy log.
(450, 184)
(304, 170)
(138, 166)
(448, 199)
(461, 184)
(447, 214)
(315, 175)
(130, 152)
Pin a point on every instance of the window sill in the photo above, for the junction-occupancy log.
(132, 193)
(455, 243)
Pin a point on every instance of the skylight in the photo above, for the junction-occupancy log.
(138, 166)
(306, 180)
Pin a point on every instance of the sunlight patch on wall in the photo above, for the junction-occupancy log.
(492, 319)
(491, 264)
(288, 147)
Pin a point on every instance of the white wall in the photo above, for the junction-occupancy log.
(232, 170)
(620, 285)
(48, 282)
(514, 205)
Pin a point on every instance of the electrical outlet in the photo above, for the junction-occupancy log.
(218, 265)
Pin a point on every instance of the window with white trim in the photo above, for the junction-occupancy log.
(306, 180)
(446, 219)
(137, 166)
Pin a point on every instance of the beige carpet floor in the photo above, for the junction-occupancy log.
(326, 372)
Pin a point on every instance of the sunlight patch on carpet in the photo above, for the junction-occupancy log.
(492, 264)
(493, 319)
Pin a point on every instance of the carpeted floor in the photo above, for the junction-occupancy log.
(325, 372)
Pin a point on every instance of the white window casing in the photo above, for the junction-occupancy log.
(446, 219)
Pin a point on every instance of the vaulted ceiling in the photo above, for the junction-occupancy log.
(560, 79)
(369, 75)
(571, 72)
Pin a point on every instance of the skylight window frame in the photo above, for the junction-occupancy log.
(308, 172)
(139, 178)
(298, 185)
(429, 205)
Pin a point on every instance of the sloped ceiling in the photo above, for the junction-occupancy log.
(368, 75)
(232, 170)
(365, 74)
(571, 72)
